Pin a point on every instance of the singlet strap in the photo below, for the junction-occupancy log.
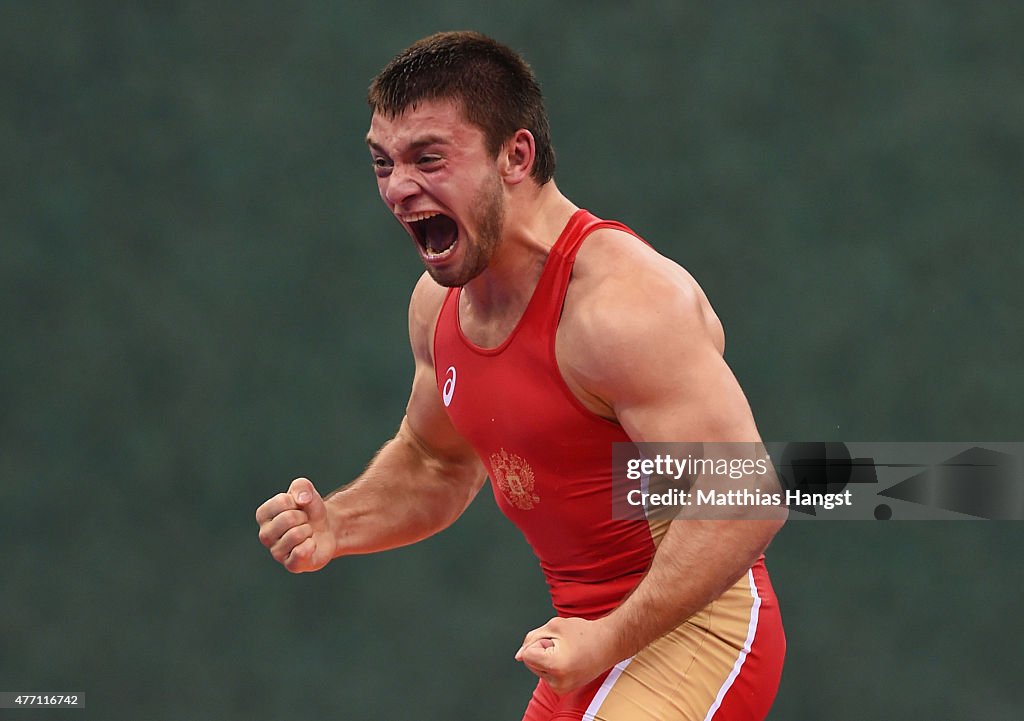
(560, 264)
(544, 309)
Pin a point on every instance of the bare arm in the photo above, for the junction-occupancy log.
(417, 484)
(654, 363)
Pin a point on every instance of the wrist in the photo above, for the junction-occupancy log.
(617, 637)
(335, 526)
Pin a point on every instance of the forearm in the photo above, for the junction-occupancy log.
(695, 563)
(707, 547)
(404, 496)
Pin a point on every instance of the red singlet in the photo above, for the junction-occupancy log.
(550, 464)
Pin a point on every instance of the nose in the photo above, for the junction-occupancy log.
(400, 185)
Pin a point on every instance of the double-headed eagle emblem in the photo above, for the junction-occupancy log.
(515, 479)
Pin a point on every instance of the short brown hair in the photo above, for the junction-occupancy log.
(496, 87)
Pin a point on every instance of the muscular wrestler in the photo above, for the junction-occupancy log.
(541, 336)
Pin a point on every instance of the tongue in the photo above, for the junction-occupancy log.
(439, 233)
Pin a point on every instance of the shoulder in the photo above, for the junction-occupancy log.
(623, 287)
(636, 327)
(424, 309)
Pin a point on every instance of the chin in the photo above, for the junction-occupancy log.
(454, 277)
(446, 278)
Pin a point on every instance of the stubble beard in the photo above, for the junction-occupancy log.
(489, 217)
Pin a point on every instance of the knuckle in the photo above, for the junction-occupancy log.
(271, 507)
(296, 535)
(280, 551)
(294, 563)
(280, 502)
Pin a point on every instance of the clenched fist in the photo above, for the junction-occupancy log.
(568, 652)
(296, 528)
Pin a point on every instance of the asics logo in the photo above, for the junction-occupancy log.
(448, 390)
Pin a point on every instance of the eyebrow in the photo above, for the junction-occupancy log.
(414, 145)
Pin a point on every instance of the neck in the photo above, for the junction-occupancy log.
(534, 218)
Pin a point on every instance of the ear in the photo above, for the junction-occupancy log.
(517, 156)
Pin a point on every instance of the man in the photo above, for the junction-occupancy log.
(541, 336)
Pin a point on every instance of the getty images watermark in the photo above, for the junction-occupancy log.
(819, 481)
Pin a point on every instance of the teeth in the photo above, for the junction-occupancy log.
(414, 217)
(447, 251)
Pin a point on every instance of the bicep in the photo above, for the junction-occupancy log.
(683, 392)
(680, 390)
(651, 350)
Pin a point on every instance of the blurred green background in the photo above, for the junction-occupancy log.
(203, 298)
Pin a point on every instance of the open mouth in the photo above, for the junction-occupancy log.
(436, 233)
